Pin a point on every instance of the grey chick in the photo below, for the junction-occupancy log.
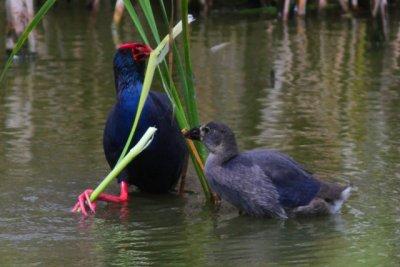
(264, 182)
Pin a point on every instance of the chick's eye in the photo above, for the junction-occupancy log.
(206, 129)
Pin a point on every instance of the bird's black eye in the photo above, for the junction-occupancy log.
(206, 129)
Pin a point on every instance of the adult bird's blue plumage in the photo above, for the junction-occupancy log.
(158, 168)
(264, 182)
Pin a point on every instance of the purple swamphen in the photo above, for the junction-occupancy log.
(159, 167)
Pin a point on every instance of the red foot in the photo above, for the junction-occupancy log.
(84, 199)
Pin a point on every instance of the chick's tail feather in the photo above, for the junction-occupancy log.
(338, 203)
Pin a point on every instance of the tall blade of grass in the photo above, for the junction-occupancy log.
(24, 36)
(192, 105)
(135, 19)
(191, 100)
(178, 60)
(164, 68)
(182, 74)
(197, 158)
(148, 12)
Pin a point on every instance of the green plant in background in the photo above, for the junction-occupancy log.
(186, 113)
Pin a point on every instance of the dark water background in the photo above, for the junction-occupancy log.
(334, 105)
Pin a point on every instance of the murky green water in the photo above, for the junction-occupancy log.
(334, 105)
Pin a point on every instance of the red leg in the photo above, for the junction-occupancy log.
(123, 196)
(84, 199)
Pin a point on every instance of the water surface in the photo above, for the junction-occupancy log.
(323, 91)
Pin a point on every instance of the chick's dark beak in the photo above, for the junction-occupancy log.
(193, 134)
